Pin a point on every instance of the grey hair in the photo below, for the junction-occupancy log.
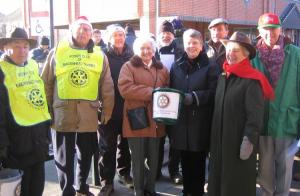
(96, 31)
(194, 34)
(139, 41)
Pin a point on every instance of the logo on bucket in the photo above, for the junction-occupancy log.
(163, 101)
(166, 105)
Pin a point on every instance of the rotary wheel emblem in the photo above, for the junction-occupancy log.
(79, 77)
(163, 101)
(36, 98)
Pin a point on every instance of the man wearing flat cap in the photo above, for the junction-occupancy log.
(279, 60)
(218, 29)
(24, 116)
(77, 81)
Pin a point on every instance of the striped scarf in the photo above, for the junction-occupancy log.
(273, 59)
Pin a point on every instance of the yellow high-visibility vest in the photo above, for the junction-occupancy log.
(77, 72)
(26, 93)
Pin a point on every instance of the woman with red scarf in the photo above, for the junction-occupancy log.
(237, 121)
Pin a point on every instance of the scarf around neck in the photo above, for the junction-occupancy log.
(272, 59)
(244, 69)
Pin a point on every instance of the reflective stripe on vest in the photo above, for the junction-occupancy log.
(26, 93)
(77, 72)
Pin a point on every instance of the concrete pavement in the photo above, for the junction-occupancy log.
(163, 186)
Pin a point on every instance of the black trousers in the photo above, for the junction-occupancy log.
(65, 145)
(112, 146)
(174, 158)
(193, 172)
(33, 180)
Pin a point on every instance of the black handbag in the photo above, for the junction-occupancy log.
(138, 118)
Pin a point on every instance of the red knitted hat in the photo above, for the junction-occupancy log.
(82, 20)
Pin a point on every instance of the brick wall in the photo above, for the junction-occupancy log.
(234, 10)
(189, 8)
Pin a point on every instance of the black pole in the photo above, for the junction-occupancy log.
(51, 23)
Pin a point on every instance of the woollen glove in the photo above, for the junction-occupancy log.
(188, 99)
(246, 148)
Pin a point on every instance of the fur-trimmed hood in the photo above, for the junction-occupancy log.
(136, 61)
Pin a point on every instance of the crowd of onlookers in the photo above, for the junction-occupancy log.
(91, 96)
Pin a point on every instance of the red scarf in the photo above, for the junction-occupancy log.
(244, 69)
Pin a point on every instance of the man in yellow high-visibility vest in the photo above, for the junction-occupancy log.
(77, 80)
(24, 116)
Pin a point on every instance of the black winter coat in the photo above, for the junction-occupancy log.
(238, 112)
(116, 62)
(26, 145)
(173, 48)
(192, 130)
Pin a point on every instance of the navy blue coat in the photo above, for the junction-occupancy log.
(39, 55)
(198, 77)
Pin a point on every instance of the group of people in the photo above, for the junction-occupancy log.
(238, 100)
(246, 121)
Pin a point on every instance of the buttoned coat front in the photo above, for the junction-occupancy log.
(136, 84)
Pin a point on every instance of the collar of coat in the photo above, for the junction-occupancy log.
(220, 50)
(169, 49)
(200, 61)
(89, 47)
(8, 59)
(286, 41)
(127, 51)
(136, 61)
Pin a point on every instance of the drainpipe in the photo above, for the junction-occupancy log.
(51, 23)
(156, 17)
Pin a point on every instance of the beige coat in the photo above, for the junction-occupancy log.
(136, 84)
(78, 115)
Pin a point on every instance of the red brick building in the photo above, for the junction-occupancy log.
(145, 15)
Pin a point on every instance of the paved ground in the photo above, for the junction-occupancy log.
(163, 186)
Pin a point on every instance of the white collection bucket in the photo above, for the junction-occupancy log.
(166, 105)
(10, 182)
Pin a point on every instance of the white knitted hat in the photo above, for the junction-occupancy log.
(110, 29)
